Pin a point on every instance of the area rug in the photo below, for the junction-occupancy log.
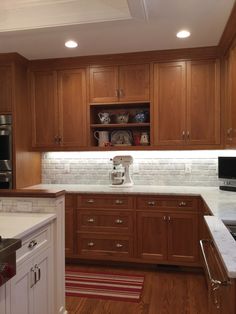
(104, 285)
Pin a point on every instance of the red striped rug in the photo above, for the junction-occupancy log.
(104, 285)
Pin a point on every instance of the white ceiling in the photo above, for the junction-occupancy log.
(38, 28)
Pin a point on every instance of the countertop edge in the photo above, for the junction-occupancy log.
(41, 193)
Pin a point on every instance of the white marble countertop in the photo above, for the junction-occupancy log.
(222, 204)
(18, 225)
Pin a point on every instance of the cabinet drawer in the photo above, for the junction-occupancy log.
(104, 245)
(182, 203)
(105, 221)
(33, 243)
(104, 201)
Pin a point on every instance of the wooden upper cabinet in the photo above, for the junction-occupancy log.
(5, 88)
(72, 107)
(134, 82)
(187, 103)
(44, 108)
(230, 86)
(169, 103)
(58, 100)
(203, 102)
(104, 84)
(124, 83)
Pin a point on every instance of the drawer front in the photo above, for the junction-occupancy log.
(104, 201)
(104, 245)
(104, 221)
(182, 203)
(33, 243)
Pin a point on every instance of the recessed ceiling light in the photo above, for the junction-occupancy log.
(71, 44)
(183, 34)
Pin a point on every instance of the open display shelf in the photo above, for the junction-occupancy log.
(136, 128)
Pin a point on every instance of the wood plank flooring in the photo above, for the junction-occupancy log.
(165, 292)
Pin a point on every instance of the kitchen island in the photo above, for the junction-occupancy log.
(37, 218)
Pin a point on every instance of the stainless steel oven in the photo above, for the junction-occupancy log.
(5, 151)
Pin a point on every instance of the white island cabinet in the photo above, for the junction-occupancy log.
(39, 284)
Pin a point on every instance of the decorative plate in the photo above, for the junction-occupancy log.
(121, 138)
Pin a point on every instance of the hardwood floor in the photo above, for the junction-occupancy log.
(165, 292)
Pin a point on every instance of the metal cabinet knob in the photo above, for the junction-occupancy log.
(118, 245)
(91, 244)
(119, 221)
(118, 202)
(164, 218)
(188, 135)
(183, 135)
(91, 220)
(182, 204)
(90, 201)
(151, 203)
(32, 244)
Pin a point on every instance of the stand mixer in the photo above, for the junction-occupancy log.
(120, 175)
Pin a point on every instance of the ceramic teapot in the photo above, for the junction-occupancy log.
(104, 117)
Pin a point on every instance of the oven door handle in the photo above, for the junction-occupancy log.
(212, 280)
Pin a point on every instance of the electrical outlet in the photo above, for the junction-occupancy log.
(188, 168)
(24, 206)
(135, 168)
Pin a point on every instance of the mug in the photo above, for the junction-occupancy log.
(102, 137)
(104, 117)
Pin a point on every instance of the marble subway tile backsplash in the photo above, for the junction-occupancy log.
(144, 171)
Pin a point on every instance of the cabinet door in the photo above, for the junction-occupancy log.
(134, 82)
(43, 297)
(169, 103)
(5, 88)
(203, 102)
(231, 99)
(72, 107)
(21, 294)
(103, 84)
(183, 237)
(152, 236)
(44, 108)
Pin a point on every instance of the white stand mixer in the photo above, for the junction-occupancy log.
(120, 176)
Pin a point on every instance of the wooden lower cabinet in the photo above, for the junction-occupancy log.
(168, 237)
(182, 237)
(69, 224)
(132, 228)
(152, 236)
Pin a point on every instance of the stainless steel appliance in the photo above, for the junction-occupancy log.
(5, 151)
(227, 173)
(8, 249)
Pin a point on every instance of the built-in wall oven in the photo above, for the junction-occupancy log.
(5, 151)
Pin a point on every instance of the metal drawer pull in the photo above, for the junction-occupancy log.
(91, 244)
(118, 245)
(32, 244)
(212, 280)
(90, 220)
(182, 204)
(90, 201)
(151, 203)
(119, 221)
(118, 202)
(33, 277)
